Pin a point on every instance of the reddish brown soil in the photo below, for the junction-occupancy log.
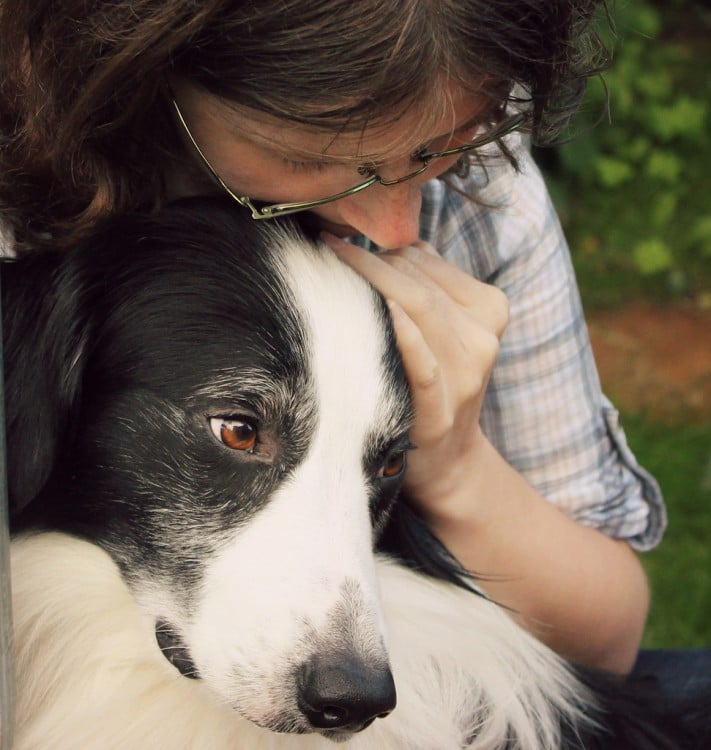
(655, 359)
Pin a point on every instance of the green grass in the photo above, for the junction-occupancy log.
(679, 455)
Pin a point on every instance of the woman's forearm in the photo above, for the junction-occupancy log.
(582, 593)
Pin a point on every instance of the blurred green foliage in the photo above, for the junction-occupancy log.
(633, 190)
(679, 456)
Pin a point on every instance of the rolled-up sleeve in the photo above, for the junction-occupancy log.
(544, 409)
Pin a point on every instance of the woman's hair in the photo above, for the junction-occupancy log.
(86, 127)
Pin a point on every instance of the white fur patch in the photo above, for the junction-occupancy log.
(268, 595)
(91, 678)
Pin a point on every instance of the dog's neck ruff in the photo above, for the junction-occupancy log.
(467, 676)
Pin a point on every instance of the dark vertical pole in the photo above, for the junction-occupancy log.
(7, 696)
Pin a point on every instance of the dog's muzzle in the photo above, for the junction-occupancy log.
(337, 695)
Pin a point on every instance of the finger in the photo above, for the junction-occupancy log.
(450, 334)
(432, 277)
(487, 303)
(462, 342)
(395, 277)
(424, 375)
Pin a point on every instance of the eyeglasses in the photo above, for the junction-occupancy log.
(424, 157)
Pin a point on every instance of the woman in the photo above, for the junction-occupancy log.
(350, 110)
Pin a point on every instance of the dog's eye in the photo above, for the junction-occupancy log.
(393, 465)
(237, 434)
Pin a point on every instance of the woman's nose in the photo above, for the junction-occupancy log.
(388, 215)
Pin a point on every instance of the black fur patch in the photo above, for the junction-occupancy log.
(117, 355)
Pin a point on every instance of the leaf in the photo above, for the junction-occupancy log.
(655, 84)
(664, 166)
(652, 256)
(637, 148)
(613, 172)
(664, 209)
(683, 118)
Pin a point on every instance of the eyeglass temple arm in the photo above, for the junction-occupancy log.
(264, 212)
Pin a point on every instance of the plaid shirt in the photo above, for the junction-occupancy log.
(544, 409)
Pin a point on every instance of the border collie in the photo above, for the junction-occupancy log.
(207, 432)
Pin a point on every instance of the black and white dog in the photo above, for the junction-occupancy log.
(207, 432)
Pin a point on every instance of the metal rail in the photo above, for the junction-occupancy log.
(7, 694)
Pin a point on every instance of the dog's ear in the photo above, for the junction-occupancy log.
(409, 539)
(44, 342)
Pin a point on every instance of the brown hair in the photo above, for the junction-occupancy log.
(85, 124)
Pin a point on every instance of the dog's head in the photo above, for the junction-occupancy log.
(221, 406)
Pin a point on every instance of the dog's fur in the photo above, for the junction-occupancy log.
(146, 551)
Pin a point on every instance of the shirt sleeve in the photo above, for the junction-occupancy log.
(544, 409)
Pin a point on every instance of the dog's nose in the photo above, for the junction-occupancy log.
(346, 695)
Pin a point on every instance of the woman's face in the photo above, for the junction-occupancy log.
(276, 161)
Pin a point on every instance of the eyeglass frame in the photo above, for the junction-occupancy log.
(274, 210)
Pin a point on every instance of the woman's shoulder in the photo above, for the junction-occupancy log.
(494, 216)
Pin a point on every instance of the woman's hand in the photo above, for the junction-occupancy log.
(448, 327)
(581, 592)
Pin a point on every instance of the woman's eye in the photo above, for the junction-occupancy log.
(366, 170)
(237, 434)
(393, 465)
(305, 166)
